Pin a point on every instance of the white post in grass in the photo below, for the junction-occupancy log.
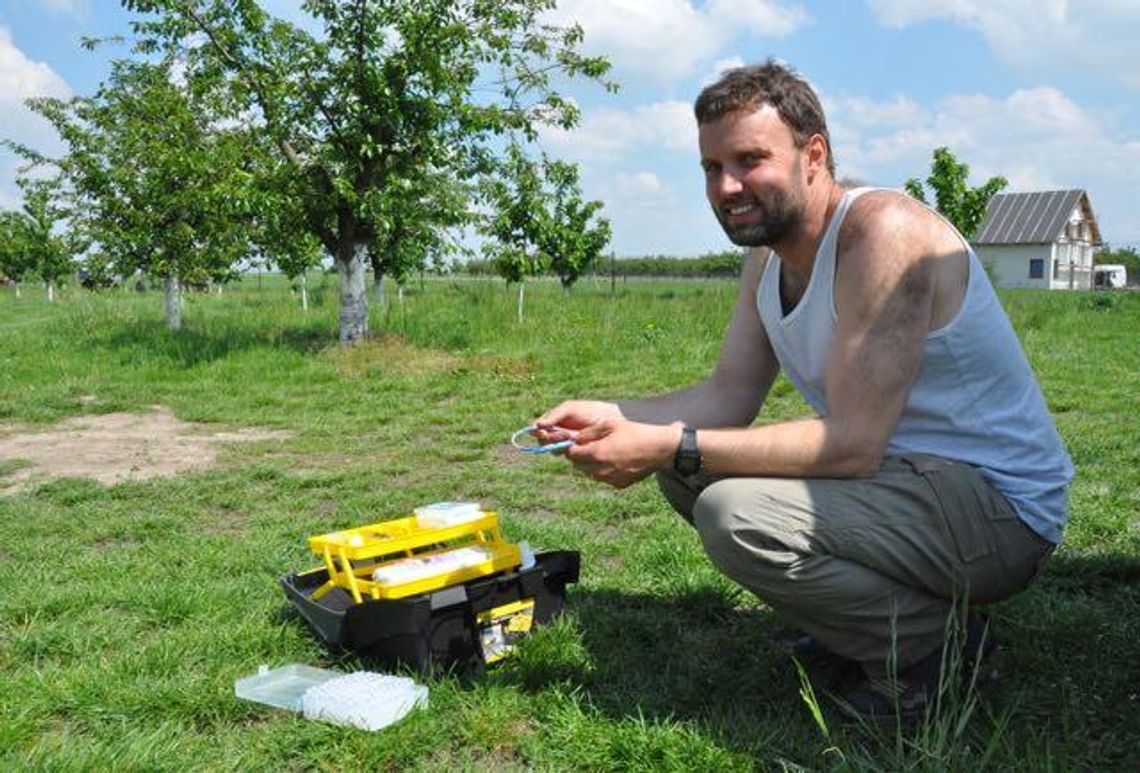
(173, 289)
(304, 291)
(522, 286)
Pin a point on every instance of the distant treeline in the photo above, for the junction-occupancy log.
(714, 264)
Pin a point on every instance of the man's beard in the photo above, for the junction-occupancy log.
(779, 217)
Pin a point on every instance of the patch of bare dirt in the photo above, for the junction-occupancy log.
(116, 447)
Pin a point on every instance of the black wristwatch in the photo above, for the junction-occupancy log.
(687, 460)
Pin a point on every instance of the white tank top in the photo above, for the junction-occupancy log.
(975, 400)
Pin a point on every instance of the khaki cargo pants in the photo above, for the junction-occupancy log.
(869, 564)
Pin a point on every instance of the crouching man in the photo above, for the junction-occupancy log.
(931, 475)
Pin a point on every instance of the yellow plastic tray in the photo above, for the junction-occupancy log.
(352, 555)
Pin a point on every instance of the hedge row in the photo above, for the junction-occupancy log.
(717, 264)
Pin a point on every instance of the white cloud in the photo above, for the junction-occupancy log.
(1036, 138)
(645, 186)
(21, 78)
(759, 17)
(663, 40)
(608, 134)
(650, 216)
(900, 111)
(1053, 35)
(720, 66)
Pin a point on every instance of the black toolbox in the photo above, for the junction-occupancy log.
(462, 625)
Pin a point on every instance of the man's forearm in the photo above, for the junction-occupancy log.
(703, 405)
(795, 449)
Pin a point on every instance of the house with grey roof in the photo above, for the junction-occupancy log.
(1044, 239)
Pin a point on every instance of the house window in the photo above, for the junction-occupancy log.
(1036, 268)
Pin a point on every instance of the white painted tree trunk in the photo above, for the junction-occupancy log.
(353, 296)
(400, 294)
(50, 291)
(522, 287)
(304, 291)
(173, 288)
(17, 289)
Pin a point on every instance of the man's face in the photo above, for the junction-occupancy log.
(753, 176)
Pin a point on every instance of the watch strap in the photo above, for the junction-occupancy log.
(687, 459)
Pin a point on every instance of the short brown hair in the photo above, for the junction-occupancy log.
(750, 88)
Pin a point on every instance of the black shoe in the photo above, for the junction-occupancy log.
(807, 649)
(828, 669)
(953, 667)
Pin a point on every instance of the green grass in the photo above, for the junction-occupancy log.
(126, 613)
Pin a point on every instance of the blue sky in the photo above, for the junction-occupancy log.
(1043, 92)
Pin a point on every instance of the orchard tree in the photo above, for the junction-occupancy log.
(962, 205)
(44, 238)
(386, 93)
(516, 197)
(538, 221)
(573, 234)
(280, 237)
(418, 219)
(15, 255)
(152, 180)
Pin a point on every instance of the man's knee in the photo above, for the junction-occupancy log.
(737, 530)
(712, 513)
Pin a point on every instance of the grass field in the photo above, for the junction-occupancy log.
(127, 612)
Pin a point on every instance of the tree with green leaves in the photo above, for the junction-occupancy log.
(418, 221)
(517, 201)
(279, 235)
(573, 234)
(538, 221)
(387, 93)
(49, 247)
(152, 180)
(962, 205)
(15, 255)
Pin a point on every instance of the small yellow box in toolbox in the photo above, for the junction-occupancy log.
(404, 557)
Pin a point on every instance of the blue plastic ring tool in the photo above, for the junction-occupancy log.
(518, 442)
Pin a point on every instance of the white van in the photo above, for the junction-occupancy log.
(1109, 275)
